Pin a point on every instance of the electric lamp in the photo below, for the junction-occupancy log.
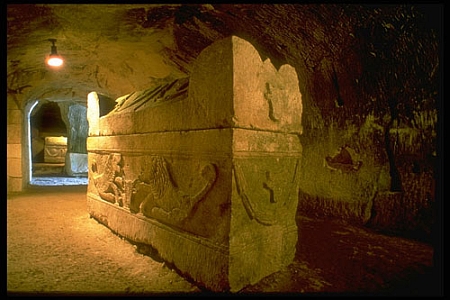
(54, 59)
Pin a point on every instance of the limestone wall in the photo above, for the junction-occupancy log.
(14, 153)
(204, 169)
(358, 188)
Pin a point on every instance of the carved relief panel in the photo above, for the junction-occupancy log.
(108, 177)
(152, 186)
(157, 195)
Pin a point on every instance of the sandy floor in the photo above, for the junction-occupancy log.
(55, 248)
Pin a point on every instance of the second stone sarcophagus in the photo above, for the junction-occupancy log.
(55, 149)
(204, 169)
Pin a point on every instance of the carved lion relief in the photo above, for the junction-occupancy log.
(153, 192)
(156, 195)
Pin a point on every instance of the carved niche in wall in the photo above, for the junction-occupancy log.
(343, 161)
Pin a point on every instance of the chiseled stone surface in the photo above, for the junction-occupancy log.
(77, 163)
(93, 114)
(204, 169)
(264, 97)
(55, 149)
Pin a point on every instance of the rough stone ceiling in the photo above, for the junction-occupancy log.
(99, 43)
(115, 49)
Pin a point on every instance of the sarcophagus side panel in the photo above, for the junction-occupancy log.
(179, 191)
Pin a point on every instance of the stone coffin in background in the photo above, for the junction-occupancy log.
(204, 169)
(55, 149)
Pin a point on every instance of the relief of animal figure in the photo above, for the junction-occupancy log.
(155, 194)
(110, 183)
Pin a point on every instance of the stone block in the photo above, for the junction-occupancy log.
(14, 134)
(14, 167)
(93, 113)
(264, 97)
(205, 169)
(14, 151)
(55, 149)
(79, 128)
(14, 116)
(15, 184)
(77, 164)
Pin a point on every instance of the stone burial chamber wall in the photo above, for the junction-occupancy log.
(204, 169)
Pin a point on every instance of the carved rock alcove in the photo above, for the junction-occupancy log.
(204, 169)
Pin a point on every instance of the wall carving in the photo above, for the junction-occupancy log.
(343, 161)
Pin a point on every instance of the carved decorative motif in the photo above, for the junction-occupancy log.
(156, 195)
(269, 97)
(267, 211)
(111, 184)
(55, 149)
(170, 91)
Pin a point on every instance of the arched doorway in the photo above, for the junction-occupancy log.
(57, 143)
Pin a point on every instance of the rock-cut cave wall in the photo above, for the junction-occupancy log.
(371, 124)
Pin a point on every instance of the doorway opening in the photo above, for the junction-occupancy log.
(53, 141)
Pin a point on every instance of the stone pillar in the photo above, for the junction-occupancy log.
(93, 113)
(14, 157)
(75, 117)
(204, 169)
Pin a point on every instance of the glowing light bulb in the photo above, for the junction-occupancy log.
(54, 60)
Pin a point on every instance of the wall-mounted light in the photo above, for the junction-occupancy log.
(54, 59)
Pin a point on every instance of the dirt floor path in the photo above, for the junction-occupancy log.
(55, 248)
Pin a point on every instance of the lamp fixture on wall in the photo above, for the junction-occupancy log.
(54, 59)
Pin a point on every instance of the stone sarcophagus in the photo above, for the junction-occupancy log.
(204, 169)
(55, 149)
